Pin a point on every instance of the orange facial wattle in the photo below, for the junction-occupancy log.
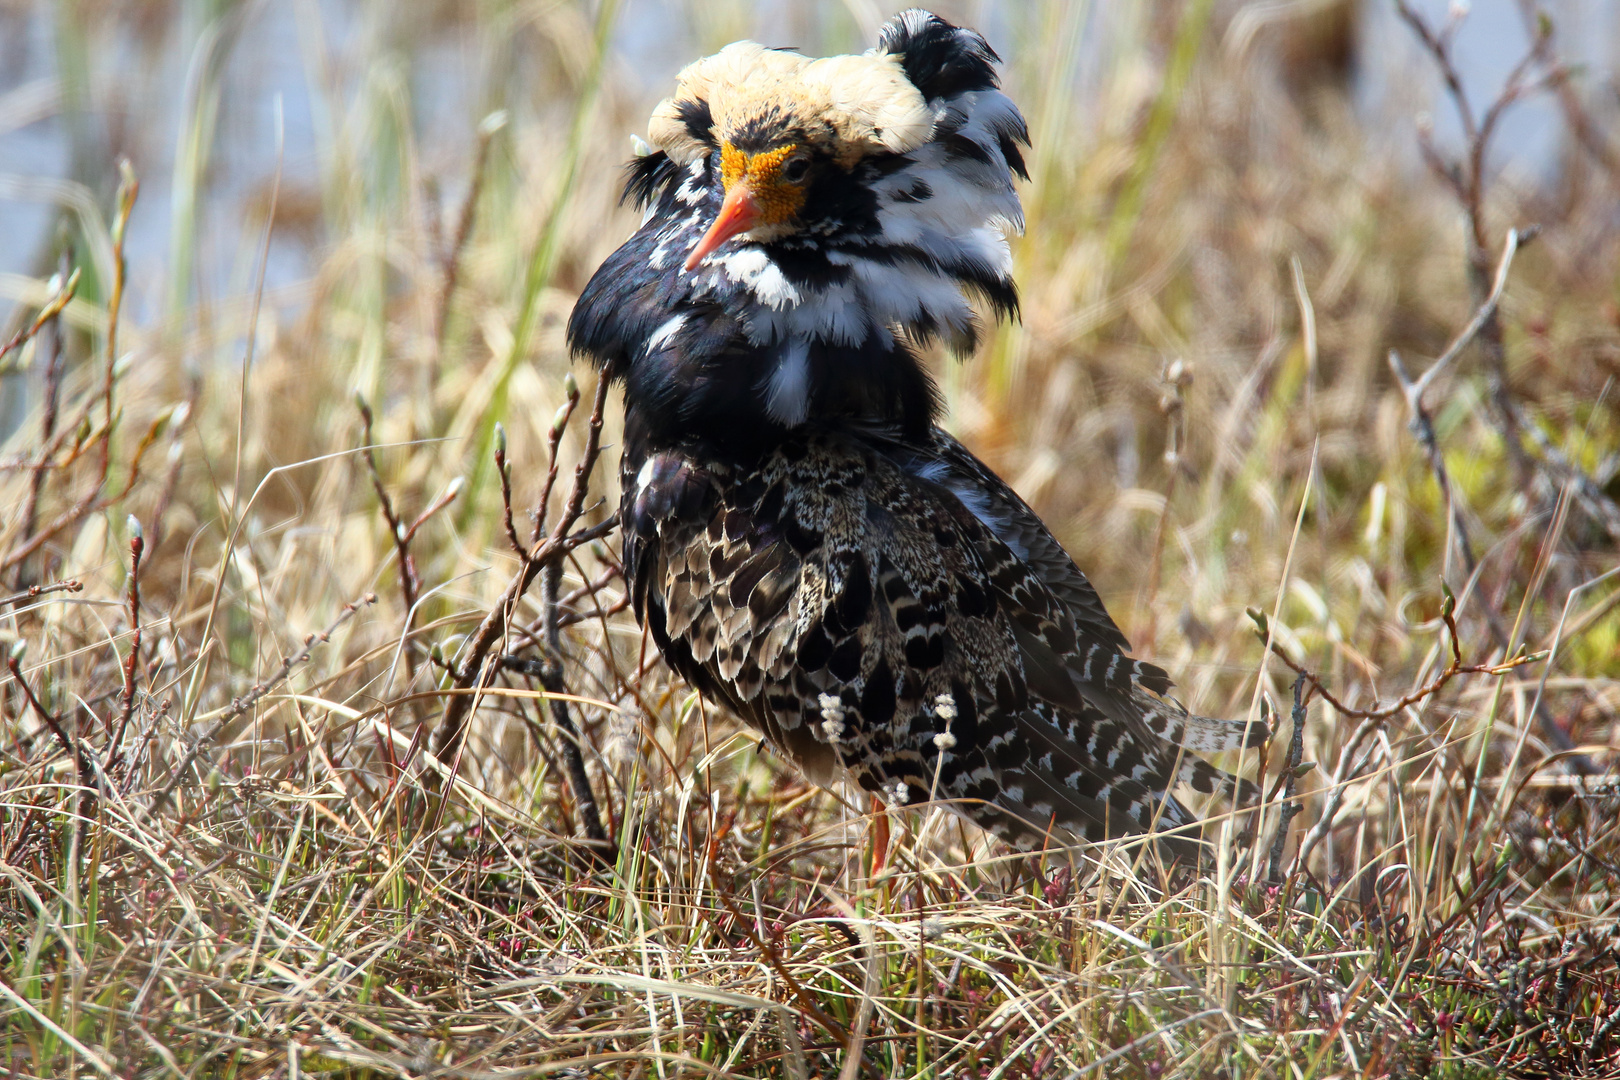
(756, 196)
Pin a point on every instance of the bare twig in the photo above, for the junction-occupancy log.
(409, 583)
(504, 467)
(1290, 805)
(1338, 785)
(1413, 389)
(1588, 493)
(479, 667)
(53, 307)
(451, 491)
(52, 397)
(74, 749)
(241, 705)
(93, 500)
(1537, 70)
(1422, 426)
(1466, 178)
(1434, 686)
(559, 424)
(588, 591)
(574, 618)
(552, 679)
(137, 547)
(34, 591)
(1587, 133)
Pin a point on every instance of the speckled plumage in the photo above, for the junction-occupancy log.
(803, 543)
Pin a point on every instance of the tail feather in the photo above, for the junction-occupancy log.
(1035, 809)
(1170, 721)
(1127, 787)
(1203, 777)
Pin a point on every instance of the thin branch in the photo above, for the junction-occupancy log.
(559, 424)
(479, 668)
(1438, 43)
(241, 705)
(137, 547)
(1291, 772)
(409, 583)
(451, 491)
(1338, 785)
(1413, 389)
(1422, 426)
(552, 679)
(35, 591)
(54, 365)
(92, 500)
(1466, 178)
(1434, 686)
(588, 591)
(74, 748)
(53, 307)
(504, 468)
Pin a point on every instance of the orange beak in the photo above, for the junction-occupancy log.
(738, 213)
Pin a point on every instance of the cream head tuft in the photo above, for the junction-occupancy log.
(853, 105)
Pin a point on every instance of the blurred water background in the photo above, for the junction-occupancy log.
(209, 98)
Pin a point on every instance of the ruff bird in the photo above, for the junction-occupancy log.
(802, 541)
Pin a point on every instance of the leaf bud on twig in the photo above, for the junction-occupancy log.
(492, 123)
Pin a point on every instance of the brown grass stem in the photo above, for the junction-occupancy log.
(450, 262)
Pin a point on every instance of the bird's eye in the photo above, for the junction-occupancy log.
(796, 170)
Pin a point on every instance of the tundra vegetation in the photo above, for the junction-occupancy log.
(328, 746)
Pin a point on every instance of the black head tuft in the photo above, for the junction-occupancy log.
(699, 120)
(941, 60)
(646, 177)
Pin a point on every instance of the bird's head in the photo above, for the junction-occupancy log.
(790, 133)
(811, 221)
(905, 153)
